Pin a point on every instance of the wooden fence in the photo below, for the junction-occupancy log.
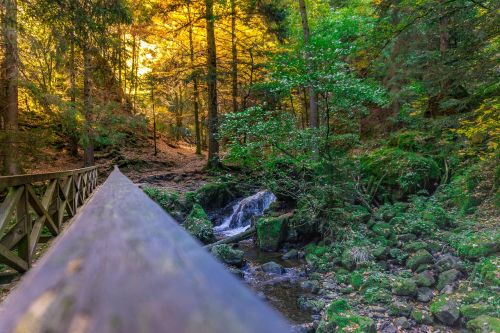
(125, 266)
(32, 202)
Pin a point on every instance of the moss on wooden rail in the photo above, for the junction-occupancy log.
(126, 266)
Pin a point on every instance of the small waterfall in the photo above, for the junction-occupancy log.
(242, 212)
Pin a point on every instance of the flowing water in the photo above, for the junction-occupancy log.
(281, 291)
(242, 211)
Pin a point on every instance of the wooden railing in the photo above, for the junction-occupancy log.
(125, 266)
(32, 202)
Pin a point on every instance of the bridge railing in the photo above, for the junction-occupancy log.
(32, 202)
(125, 266)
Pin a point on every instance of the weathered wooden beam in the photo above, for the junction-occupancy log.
(9, 258)
(125, 266)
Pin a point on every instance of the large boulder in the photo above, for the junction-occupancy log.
(199, 225)
(271, 232)
(228, 255)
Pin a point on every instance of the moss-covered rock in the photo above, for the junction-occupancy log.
(425, 279)
(340, 318)
(414, 246)
(398, 309)
(383, 229)
(199, 225)
(402, 171)
(445, 309)
(375, 295)
(217, 194)
(228, 255)
(421, 257)
(271, 231)
(489, 270)
(475, 245)
(421, 317)
(404, 287)
(484, 324)
(355, 257)
(472, 311)
(310, 304)
(447, 277)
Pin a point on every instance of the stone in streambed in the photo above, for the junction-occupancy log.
(274, 268)
(228, 255)
(292, 254)
(271, 232)
(310, 285)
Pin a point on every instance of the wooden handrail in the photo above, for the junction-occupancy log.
(24, 213)
(125, 266)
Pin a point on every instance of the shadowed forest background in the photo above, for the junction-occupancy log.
(375, 123)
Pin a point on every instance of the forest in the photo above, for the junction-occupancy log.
(339, 157)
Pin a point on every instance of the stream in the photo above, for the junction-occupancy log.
(281, 291)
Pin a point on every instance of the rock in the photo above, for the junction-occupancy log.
(406, 237)
(304, 328)
(445, 310)
(355, 257)
(310, 304)
(421, 317)
(421, 257)
(484, 324)
(402, 323)
(425, 294)
(425, 279)
(228, 255)
(447, 290)
(383, 229)
(423, 268)
(380, 252)
(388, 328)
(274, 268)
(340, 318)
(472, 311)
(404, 287)
(415, 246)
(447, 262)
(447, 277)
(236, 271)
(310, 285)
(398, 309)
(292, 254)
(199, 225)
(271, 232)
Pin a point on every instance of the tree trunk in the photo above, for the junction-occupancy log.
(234, 52)
(213, 145)
(313, 98)
(87, 109)
(11, 70)
(196, 91)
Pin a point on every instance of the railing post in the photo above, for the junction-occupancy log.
(24, 219)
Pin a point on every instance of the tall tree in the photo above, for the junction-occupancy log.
(313, 98)
(234, 53)
(213, 144)
(196, 90)
(11, 78)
